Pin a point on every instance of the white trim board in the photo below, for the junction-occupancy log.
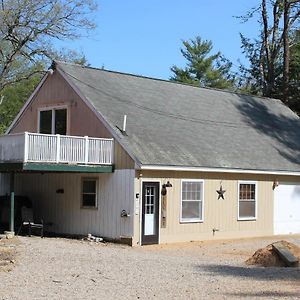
(216, 170)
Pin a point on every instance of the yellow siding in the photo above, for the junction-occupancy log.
(219, 214)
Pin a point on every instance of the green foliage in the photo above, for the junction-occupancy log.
(273, 55)
(253, 80)
(13, 98)
(203, 68)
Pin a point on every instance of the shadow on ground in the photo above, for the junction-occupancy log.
(263, 294)
(256, 273)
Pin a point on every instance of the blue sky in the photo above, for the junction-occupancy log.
(144, 36)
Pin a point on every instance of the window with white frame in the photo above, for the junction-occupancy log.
(191, 200)
(247, 200)
(53, 121)
(89, 193)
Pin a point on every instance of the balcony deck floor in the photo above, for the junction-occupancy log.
(64, 168)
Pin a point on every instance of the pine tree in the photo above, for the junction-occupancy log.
(203, 68)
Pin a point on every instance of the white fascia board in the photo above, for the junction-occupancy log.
(217, 170)
(97, 113)
(16, 119)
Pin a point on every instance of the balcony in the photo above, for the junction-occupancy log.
(46, 152)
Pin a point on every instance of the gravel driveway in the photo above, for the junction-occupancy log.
(56, 268)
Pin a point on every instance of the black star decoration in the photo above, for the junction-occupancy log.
(221, 193)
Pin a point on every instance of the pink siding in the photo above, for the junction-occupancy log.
(81, 119)
(55, 92)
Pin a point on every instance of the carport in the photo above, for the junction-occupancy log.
(36, 153)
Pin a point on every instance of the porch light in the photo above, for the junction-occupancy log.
(275, 184)
(164, 188)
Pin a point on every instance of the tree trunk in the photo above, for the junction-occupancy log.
(286, 51)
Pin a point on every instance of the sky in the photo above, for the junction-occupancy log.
(144, 37)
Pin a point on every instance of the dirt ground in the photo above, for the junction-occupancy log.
(56, 268)
(7, 254)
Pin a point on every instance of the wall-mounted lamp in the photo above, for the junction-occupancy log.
(275, 184)
(124, 214)
(164, 188)
(60, 191)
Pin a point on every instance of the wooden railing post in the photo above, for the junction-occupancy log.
(57, 148)
(26, 145)
(86, 153)
(112, 152)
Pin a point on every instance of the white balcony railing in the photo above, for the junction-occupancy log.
(47, 148)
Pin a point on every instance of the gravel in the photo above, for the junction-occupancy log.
(57, 268)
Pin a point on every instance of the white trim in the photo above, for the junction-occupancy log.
(238, 200)
(16, 119)
(53, 108)
(216, 170)
(201, 220)
(25, 147)
(141, 206)
(98, 114)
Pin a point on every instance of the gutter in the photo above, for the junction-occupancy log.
(216, 170)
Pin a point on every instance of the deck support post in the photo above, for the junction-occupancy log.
(12, 203)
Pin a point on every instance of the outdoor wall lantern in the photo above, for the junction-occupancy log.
(275, 184)
(164, 188)
(60, 191)
(124, 214)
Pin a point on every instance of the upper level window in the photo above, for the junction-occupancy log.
(247, 200)
(191, 200)
(53, 121)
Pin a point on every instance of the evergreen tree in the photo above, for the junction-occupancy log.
(203, 68)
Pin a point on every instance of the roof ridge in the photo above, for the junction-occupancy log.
(166, 80)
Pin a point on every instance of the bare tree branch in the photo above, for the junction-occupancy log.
(27, 28)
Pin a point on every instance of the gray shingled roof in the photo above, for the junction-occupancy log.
(173, 124)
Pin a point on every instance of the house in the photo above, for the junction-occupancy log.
(150, 161)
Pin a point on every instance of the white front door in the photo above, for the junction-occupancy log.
(287, 208)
